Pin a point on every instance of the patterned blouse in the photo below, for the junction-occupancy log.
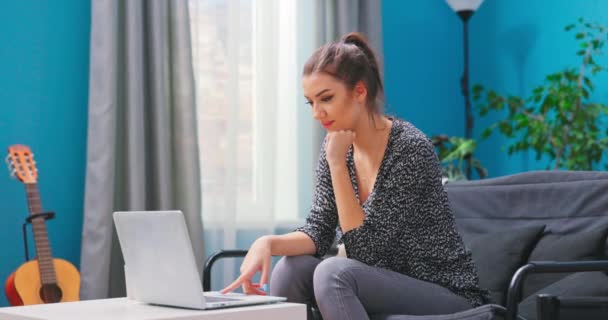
(408, 226)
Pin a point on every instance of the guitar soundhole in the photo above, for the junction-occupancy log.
(50, 293)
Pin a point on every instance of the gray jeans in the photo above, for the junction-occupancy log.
(344, 288)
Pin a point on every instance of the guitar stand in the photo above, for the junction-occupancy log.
(46, 215)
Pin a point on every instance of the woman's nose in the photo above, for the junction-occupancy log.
(317, 113)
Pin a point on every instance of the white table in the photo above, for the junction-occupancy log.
(123, 308)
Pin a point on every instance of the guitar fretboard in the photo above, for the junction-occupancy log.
(41, 239)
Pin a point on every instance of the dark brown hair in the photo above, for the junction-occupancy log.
(350, 60)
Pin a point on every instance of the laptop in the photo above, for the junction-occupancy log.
(160, 264)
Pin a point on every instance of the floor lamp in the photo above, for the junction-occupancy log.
(465, 9)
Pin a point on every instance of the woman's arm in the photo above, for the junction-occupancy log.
(258, 258)
(322, 221)
(348, 210)
(350, 213)
(291, 244)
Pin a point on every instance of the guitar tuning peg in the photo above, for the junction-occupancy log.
(7, 159)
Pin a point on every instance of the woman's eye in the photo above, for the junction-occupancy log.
(327, 99)
(309, 103)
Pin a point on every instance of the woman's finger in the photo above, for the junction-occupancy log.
(232, 286)
(265, 273)
(246, 276)
(246, 286)
(258, 292)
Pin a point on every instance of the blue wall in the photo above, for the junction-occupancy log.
(513, 45)
(423, 64)
(43, 95)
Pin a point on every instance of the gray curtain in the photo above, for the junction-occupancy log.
(336, 18)
(142, 152)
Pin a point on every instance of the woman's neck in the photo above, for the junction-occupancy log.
(370, 134)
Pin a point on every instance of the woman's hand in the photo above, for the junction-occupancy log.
(336, 146)
(258, 258)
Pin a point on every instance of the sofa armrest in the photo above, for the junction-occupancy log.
(213, 259)
(514, 292)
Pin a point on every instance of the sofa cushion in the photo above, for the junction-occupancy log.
(564, 247)
(498, 255)
(586, 284)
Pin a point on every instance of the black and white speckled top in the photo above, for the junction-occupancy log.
(408, 226)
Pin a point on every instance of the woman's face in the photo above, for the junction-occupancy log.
(332, 104)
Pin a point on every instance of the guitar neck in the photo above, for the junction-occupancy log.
(41, 239)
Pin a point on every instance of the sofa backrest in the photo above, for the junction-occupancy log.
(565, 201)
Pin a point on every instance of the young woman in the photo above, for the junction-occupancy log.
(379, 185)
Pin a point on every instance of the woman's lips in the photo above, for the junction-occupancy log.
(328, 124)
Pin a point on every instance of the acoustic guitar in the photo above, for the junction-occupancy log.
(43, 279)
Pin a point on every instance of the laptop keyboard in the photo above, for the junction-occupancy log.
(219, 299)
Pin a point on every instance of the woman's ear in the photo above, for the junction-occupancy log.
(360, 91)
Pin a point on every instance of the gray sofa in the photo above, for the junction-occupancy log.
(536, 221)
(527, 233)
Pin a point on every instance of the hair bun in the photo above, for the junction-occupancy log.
(356, 38)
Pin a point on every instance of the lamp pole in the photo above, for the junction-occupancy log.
(464, 83)
(465, 10)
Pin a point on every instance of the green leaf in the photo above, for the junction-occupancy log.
(596, 69)
(569, 27)
(483, 112)
(565, 105)
(581, 52)
(506, 128)
(487, 132)
(580, 35)
(464, 147)
(477, 89)
(588, 83)
(538, 90)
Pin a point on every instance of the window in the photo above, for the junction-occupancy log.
(255, 131)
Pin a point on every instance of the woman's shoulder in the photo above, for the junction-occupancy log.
(407, 137)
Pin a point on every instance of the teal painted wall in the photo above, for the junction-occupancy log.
(423, 65)
(513, 45)
(44, 53)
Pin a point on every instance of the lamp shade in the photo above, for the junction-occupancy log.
(464, 5)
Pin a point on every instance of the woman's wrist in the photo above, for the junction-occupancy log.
(337, 165)
(266, 241)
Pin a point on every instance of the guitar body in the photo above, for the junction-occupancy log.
(11, 292)
(24, 286)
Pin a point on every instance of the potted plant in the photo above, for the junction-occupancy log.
(558, 120)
